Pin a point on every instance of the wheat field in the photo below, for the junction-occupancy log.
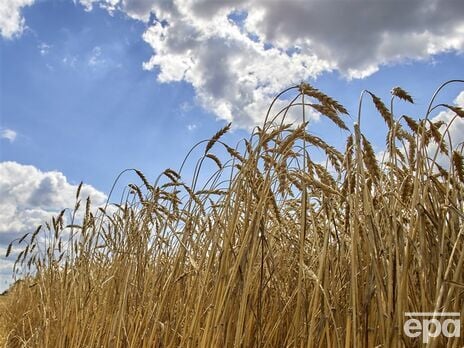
(274, 249)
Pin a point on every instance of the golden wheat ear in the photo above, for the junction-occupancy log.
(290, 242)
(402, 94)
(217, 136)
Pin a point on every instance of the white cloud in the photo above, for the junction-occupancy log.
(8, 134)
(28, 197)
(191, 127)
(186, 107)
(70, 61)
(456, 129)
(359, 36)
(95, 58)
(99, 59)
(238, 54)
(11, 21)
(233, 76)
(44, 48)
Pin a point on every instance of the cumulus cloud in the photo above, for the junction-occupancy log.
(11, 21)
(238, 54)
(8, 134)
(28, 197)
(233, 76)
(358, 36)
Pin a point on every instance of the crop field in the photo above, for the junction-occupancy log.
(274, 249)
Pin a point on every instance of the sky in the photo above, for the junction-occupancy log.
(90, 88)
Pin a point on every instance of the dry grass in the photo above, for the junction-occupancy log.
(3, 326)
(274, 250)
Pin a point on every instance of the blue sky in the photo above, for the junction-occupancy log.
(90, 88)
(85, 106)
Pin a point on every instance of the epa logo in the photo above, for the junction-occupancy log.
(431, 325)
